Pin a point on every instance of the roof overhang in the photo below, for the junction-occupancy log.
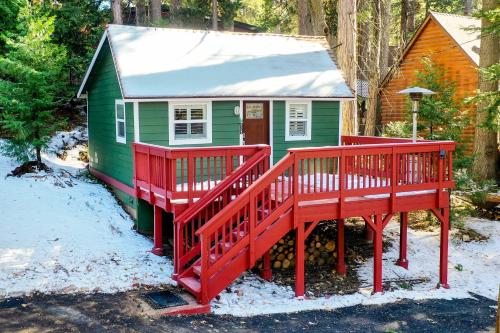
(80, 93)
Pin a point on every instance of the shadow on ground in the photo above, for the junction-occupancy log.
(125, 312)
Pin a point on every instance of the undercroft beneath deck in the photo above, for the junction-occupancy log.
(230, 206)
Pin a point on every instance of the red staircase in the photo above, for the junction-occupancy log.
(187, 241)
(235, 223)
(243, 231)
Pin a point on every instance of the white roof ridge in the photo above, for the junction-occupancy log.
(298, 36)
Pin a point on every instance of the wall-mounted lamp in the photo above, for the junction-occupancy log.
(237, 110)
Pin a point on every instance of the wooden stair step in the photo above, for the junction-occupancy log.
(197, 269)
(192, 284)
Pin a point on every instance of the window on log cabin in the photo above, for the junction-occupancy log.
(190, 123)
(121, 135)
(298, 121)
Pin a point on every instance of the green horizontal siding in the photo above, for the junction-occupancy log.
(108, 156)
(153, 120)
(324, 127)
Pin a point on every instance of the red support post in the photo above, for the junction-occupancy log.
(377, 255)
(177, 249)
(158, 235)
(266, 272)
(341, 269)
(403, 240)
(369, 233)
(443, 250)
(300, 261)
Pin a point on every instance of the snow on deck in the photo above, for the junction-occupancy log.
(65, 234)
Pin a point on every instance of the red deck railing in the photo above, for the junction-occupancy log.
(319, 175)
(162, 174)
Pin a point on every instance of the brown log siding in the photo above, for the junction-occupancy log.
(434, 41)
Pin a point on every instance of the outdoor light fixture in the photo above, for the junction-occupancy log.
(416, 94)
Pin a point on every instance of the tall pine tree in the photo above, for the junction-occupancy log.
(31, 79)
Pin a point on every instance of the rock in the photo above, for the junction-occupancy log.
(466, 238)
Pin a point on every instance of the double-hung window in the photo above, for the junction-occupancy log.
(121, 135)
(190, 123)
(298, 121)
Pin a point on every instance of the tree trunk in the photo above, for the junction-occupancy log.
(38, 158)
(485, 143)
(320, 28)
(116, 9)
(408, 10)
(467, 7)
(373, 70)
(346, 57)
(305, 25)
(215, 16)
(155, 6)
(412, 12)
(140, 12)
(385, 37)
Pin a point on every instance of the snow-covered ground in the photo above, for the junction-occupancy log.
(480, 274)
(60, 233)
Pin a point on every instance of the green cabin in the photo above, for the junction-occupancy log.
(193, 88)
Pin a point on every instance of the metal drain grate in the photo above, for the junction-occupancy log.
(12, 303)
(164, 299)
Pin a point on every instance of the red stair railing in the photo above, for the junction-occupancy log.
(239, 224)
(187, 245)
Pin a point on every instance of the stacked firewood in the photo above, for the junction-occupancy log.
(319, 251)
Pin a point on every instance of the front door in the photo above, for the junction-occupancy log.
(255, 122)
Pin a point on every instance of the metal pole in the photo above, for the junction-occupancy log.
(415, 111)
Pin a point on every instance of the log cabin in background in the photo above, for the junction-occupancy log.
(444, 39)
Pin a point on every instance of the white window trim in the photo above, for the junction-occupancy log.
(171, 125)
(120, 139)
(307, 137)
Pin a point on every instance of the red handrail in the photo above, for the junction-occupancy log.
(186, 242)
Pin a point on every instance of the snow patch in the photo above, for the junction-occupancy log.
(61, 233)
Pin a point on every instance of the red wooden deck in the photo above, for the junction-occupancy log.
(235, 207)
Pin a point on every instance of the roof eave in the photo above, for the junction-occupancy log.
(89, 69)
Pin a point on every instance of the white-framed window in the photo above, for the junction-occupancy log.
(298, 120)
(190, 123)
(121, 128)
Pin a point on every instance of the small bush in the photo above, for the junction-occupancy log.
(475, 191)
(397, 129)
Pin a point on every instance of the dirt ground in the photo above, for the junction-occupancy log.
(126, 312)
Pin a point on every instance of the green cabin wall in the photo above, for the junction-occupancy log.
(106, 155)
(115, 159)
(153, 124)
(324, 127)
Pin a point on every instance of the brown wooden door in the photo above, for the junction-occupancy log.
(255, 122)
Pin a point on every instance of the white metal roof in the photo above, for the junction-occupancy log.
(176, 63)
(456, 26)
